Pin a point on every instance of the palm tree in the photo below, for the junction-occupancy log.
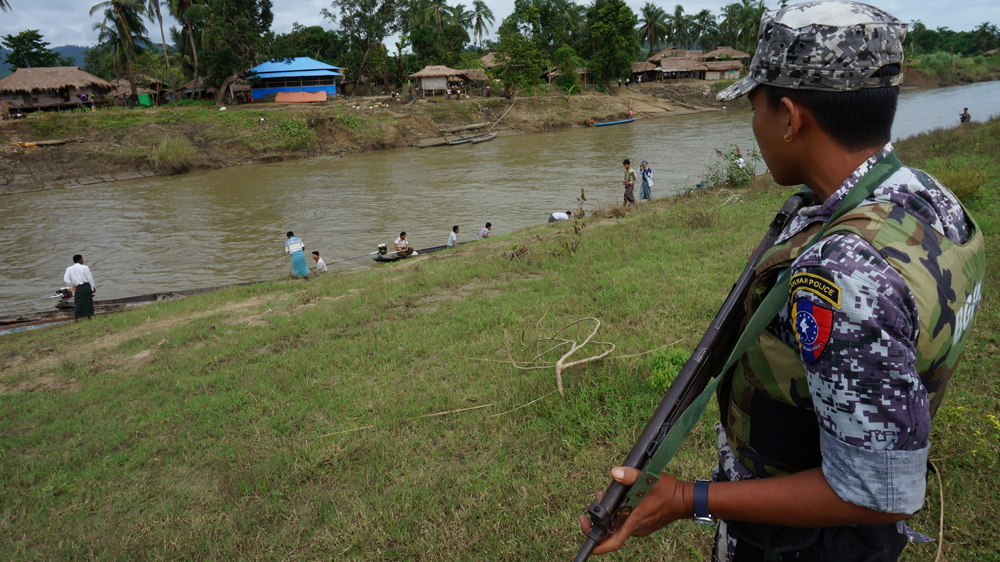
(483, 17)
(653, 26)
(153, 11)
(706, 28)
(122, 32)
(4, 5)
(178, 9)
(433, 12)
(458, 14)
(678, 24)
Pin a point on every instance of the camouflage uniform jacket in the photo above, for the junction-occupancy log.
(864, 385)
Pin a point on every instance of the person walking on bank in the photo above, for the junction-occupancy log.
(79, 278)
(629, 183)
(647, 181)
(295, 248)
(453, 237)
(827, 414)
(485, 232)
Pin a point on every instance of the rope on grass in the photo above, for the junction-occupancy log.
(941, 519)
(522, 405)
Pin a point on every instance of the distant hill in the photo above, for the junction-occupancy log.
(73, 51)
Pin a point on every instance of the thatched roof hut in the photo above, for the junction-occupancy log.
(489, 60)
(723, 70)
(474, 74)
(27, 80)
(725, 52)
(52, 87)
(122, 86)
(434, 77)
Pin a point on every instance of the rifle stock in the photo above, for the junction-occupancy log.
(708, 358)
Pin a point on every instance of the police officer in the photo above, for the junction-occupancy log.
(824, 436)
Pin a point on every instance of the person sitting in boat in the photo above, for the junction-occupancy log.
(453, 237)
(403, 248)
(560, 216)
(485, 232)
(320, 264)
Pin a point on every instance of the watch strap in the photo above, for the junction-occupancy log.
(701, 500)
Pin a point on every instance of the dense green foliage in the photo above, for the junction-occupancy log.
(240, 31)
(28, 50)
(614, 47)
(922, 40)
(295, 419)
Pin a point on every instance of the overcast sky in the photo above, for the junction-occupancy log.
(67, 22)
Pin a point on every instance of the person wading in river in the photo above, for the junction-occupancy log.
(872, 288)
(79, 278)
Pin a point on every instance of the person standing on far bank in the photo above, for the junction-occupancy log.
(295, 248)
(826, 419)
(79, 278)
(629, 183)
(647, 181)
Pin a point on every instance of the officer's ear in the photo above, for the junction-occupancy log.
(796, 117)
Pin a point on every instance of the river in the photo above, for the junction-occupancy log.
(226, 226)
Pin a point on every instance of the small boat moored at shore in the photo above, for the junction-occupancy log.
(614, 122)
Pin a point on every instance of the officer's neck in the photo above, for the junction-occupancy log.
(830, 163)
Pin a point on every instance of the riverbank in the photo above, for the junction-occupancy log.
(375, 414)
(125, 144)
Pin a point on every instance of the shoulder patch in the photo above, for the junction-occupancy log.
(813, 324)
(819, 286)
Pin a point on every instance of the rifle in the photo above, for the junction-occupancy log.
(704, 364)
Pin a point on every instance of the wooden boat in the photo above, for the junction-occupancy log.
(484, 138)
(614, 122)
(393, 256)
(64, 308)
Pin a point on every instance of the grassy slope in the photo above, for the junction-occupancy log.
(207, 428)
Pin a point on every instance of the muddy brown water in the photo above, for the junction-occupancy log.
(226, 226)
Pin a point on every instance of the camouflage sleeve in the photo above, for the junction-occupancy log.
(855, 323)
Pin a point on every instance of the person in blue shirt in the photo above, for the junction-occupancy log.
(295, 248)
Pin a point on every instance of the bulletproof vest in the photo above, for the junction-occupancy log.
(767, 409)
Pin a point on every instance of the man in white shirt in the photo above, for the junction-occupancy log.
(560, 216)
(403, 248)
(453, 237)
(320, 264)
(79, 278)
(485, 232)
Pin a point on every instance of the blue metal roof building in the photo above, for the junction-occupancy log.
(301, 74)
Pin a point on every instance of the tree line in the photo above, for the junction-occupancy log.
(216, 41)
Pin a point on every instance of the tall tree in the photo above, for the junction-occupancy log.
(366, 23)
(483, 19)
(180, 10)
(28, 50)
(653, 26)
(153, 12)
(520, 48)
(677, 24)
(239, 31)
(122, 34)
(612, 24)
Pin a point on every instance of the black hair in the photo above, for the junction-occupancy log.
(290, 233)
(402, 233)
(625, 161)
(855, 120)
(489, 224)
(569, 212)
(316, 253)
(454, 228)
(77, 258)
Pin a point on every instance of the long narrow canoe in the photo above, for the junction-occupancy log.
(614, 122)
(393, 256)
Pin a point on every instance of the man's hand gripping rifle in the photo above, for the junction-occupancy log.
(708, 359)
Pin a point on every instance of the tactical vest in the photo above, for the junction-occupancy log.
(767, 409)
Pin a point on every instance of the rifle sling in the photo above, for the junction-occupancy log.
(767, 310)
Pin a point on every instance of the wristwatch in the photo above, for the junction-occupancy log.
(701, 514)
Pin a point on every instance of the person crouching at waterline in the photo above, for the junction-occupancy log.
(296, 248)
(79, 278)
(560, 216)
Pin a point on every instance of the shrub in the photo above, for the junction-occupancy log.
(664, 367)
(734, 170)
(174, 155)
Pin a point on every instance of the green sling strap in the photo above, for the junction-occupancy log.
(768, 308)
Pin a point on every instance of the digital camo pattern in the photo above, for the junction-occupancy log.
(832, 46)
(891, 349)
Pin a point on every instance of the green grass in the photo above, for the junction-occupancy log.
(286, 420)
(948, 68)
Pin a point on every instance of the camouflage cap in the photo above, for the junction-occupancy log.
(832, 46)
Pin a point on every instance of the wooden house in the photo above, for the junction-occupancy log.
(61, 87)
